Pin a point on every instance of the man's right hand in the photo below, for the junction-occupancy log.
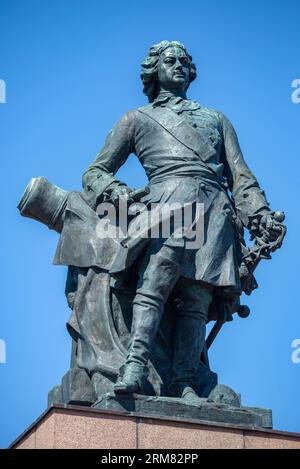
(120, 193)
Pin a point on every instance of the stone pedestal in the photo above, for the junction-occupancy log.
(63, 426)
(205, 410)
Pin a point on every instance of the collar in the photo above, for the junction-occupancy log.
(177, 103)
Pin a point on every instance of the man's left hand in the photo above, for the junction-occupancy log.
(271, 228)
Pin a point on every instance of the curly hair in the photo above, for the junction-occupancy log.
(149, 73)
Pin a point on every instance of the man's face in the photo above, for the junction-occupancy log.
(174, 69)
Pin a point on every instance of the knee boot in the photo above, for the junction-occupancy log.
(189, 340)
(155, 284)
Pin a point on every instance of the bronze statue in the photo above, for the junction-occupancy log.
(141, 304)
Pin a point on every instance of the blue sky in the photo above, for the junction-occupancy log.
(71, 69)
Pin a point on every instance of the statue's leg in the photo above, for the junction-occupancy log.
(189, 336)
(158, 273)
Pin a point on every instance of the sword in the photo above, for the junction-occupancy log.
(261, 250)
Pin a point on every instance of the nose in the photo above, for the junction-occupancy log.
(178, 65)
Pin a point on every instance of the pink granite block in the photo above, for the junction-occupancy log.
(28, 442)
(176, 435)
(45, 433)
(269, 441)
(75, 430)
(78, 427)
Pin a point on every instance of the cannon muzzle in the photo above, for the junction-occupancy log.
(44, 202)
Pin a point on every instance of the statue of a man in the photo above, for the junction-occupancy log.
(191, 155)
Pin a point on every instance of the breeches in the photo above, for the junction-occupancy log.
(160, 275)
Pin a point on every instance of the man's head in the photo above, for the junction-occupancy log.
(168, 66)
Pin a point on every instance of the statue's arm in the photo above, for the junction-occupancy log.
(98, 180)
(249, 199)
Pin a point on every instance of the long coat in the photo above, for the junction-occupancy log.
(190, 154)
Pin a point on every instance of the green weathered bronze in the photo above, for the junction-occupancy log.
(140, 305)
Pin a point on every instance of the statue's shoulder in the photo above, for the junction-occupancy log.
(128, 115)
(142, 113)
(135, 114)
(222, 118)
(145, 108)
(126, 121)
(212, 113)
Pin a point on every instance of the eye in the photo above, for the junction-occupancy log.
(169, 60)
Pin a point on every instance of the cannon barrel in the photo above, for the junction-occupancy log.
(44, 202)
